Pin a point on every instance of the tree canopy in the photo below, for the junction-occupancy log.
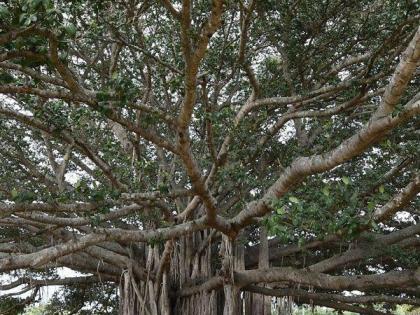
(209, 157)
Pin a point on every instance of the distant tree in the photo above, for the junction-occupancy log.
(210, 157)
(85, 299)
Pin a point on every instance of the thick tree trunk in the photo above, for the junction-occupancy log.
(181, 264)
(192, 263)
(190, 260)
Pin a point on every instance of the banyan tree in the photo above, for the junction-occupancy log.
(209, 156)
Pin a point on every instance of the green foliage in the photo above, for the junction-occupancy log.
(6, 78)
(336, 207)
(97, 299)
(11, 306)
(34, 11)
(291, 48)
(22, 196)
(35, 310)
(407, 259)
(4, 12)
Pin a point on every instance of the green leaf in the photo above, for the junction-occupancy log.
(26, 196)
(381, 189)
(98, 196)
(326, 191)
(6, 78)
(102, 96)
(163, 188)
(22, 18)
(345, 180)
(4, 11)
(47, 4)
(70, 29)
(14, 193)
(35, 3)
(293, 199)
(115, 194)
(280, 210)
(104, 210)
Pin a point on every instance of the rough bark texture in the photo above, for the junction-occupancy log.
(211, 157)
(261, 304)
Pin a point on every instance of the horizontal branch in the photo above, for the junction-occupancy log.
(359, 299)
(7, 209)
(49, 282)
(393, 279)
(119, 213)
(101, 235)
(55, 94)
(314, 299)
(34, 74)
(371, 248)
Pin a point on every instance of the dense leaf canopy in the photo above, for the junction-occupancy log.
(174, 153)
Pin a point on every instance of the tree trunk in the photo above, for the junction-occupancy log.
(191, 264)
(258, 303)
(191, 260)
(188, 263)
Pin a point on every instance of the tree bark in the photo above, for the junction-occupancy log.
(261, 304)
(190, 264)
